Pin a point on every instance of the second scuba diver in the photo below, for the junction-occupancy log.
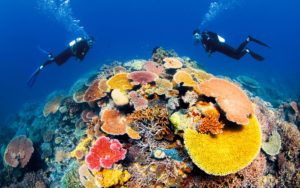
(212, 42)
(77, 48)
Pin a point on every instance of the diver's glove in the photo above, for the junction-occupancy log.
(34, 76)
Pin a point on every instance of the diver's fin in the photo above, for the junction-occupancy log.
(34, 76)
(256, 56)
(258, 42)
(49, 54)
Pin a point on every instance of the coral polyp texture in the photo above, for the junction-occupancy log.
(224, 153)
(18, 152)
(104, 153)
(232, 99)
(159, 122)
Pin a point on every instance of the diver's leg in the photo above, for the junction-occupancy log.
(227, 50)
(255, 55)
(242, 46)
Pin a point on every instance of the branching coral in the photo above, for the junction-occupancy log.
(224, 153)
(104, 153)
(141, 77)
(18, 151)
(96, 90)
(71, 177)
(119, 81)
(114, 122)
(52, 106)
(159, 54)
(210, 123)
(230, 98)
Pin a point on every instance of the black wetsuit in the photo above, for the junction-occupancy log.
(79, 50)
(211, 43)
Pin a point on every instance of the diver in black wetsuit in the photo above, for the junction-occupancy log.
(77, 48)
(212, 42)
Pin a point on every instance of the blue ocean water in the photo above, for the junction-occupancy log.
(130, 29)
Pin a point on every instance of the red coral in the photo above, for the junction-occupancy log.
(104, 153)
(141, 77)
(18, 151)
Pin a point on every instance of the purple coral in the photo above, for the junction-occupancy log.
(141, 77)
(18, 151)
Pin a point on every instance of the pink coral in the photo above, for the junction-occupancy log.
(139, 102)
(153, 67)
(141, 77)
(18, 151)
(104, 153)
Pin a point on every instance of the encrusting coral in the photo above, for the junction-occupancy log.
(224, 153)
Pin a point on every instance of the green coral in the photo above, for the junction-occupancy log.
(272, 147)
(180, 121)
(71, 177)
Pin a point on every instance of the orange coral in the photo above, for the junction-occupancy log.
(96, 91)
(210, 123)
(119, 81)
(114, 122)
(185, 78)
(132, 133)
(172, 63)
(230, 98)
(52, 106)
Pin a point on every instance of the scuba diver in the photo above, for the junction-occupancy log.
(212, 42)
(77, 48)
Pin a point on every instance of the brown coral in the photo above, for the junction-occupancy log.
(159, 54)
(119, 69)
(114, 122)
(163, 86)
(18, 151)
(231, 99)
(96, 91)
(52, 106)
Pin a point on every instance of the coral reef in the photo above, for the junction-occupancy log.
(173, 126)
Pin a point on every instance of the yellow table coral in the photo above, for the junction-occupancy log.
(224, 153)
(119, 81)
